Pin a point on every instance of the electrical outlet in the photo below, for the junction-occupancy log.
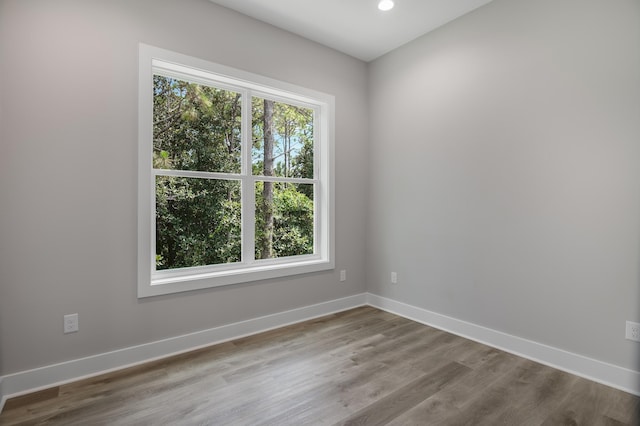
(633, 331)
(70, 323)
(343, 275)
(394, 278)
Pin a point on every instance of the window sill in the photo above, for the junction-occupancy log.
(173, 283)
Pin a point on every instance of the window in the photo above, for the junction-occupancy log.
(235, 176)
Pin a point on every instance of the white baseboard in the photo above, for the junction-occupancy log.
(597, 371)
(25, 382)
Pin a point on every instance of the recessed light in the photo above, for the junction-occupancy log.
(385, 5)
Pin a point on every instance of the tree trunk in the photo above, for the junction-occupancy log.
(266, 250)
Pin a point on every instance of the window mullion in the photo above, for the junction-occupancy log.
(248, 185)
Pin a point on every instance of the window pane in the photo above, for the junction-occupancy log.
(195, 127)
(197, 222)
(282, 139)
(284, 219)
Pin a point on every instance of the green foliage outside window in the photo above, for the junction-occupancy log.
(198, 219)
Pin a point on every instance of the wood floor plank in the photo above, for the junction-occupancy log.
(516, 397)
(373, 375)
(407, 396)
(590, 403)
(362, 366)
(447, 404)
(32, 398)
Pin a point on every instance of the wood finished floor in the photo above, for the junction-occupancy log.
(360, 367)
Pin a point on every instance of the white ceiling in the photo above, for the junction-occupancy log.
(355, 27)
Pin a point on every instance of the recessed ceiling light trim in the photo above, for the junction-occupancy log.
(385, 5)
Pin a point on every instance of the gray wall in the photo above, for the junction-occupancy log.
(505, 174)
(68, 159)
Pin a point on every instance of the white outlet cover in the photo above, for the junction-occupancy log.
(633, 331)
(70, 323)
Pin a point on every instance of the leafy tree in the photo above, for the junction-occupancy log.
(198, 219)
(196, 128)
(266, 240)
(282, 137)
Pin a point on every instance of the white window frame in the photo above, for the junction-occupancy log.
(153, 60)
